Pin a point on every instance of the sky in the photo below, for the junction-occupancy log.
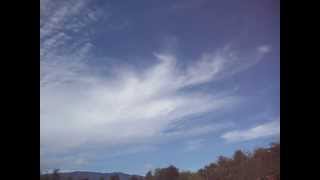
(134, 85)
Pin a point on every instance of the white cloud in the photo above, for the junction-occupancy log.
(81, 108)
(260, 131)
(61, 23)
(197, 130)
(87, 108)
(78, 107)
(264, 49)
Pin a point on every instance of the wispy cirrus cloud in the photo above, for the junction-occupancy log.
(261, 131)
(82, 108)
(79, 108)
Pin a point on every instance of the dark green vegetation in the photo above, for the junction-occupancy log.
(262, 164)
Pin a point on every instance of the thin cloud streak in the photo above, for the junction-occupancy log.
(260, 131)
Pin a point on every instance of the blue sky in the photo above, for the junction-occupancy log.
(135, 85)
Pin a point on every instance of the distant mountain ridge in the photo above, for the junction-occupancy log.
(81, 175)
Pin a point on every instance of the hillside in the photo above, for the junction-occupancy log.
(83, 175)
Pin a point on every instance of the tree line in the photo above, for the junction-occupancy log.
(261, 164)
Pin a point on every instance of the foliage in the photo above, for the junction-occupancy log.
(114, 177)
(263, 163)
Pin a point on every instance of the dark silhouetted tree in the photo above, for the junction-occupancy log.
(114, 177)
(263, 163)
(149, 176)
(172, 173)
(134, 178)
(55, 174)
(169, 173)
(185, 175)
(239, 156)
